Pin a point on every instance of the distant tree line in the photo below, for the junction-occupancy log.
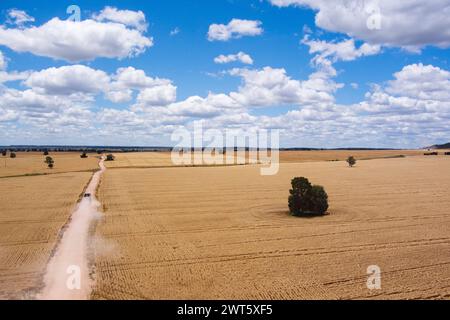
(89, 149)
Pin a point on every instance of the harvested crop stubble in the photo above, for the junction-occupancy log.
(163, 159)
(34, 209)
(225, 232)
(31, 163)
(157, 159)
(341, 155)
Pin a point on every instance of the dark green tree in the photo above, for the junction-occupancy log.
(318, 200)
(306, 199)
(110, 157)
(50, 162)
(351, 161)
(12, 155)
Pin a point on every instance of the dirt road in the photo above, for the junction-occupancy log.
(68, 275)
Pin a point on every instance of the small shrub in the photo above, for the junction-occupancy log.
(46, 153)
(83, 155)
(12, 155)
(306, 199)
(351, 161)
(110, 157)
(4, 153)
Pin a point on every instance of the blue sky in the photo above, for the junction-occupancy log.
(323, 81)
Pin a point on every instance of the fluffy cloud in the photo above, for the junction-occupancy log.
(13, 76)
(152, 91)
(67, 80)
(32, 101)
(157, 96)
(3, 62)
(7, 115)
(76, 41)
(84, 83)
(134, 19)
(240, 56)
(344, 50)
(411, 109)
(119, 96)
(174, 32)
(409, 24)
(124, 117)
(269, 86)
(419, 81)
(130, 77)
(417, 93)
(19, 17)
(211, 106)
(236, 28)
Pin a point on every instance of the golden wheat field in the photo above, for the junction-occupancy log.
(163, 159)
(140, 159)
(31, 163)
(33, 211)
(333, 155)
(225, 232)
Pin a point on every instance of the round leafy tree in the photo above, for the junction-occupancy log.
(307, 199)
(351, 161)
(50, 162)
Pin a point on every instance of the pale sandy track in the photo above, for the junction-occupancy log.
(71, 252)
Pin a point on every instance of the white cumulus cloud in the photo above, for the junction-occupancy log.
(3, 63)
(68, 80)
(240, 56)
(76, 41)
(157, 96)
(411, 24)
(19, 17)
(236, 28)
(134, 19)
(272, 86)
(344, 50)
